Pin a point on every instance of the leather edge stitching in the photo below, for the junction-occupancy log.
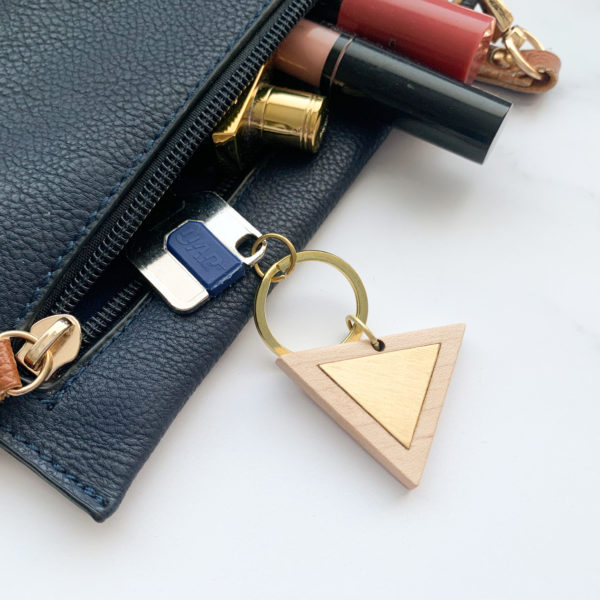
(71, 479)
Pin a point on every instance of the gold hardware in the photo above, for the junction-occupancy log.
(274, 115)
(60, 334)
(226, 131)
(41, 375)
(513, 41)
(391, 386)
(353, 321)
(293, 255)
(260, 301)
(289, 117)
(51, 343)
(513, 38)
(500, 12)
(36, 353)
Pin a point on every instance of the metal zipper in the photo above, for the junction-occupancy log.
(112, 311)
(110, 238)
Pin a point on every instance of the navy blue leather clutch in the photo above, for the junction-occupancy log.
(103, 106)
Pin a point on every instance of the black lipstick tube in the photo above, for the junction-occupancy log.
(437, 109)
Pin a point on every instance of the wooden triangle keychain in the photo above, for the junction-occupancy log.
(387, 393)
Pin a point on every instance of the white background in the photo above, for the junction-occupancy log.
(255, 493)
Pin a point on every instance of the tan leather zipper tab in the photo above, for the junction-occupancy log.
(509, 75)
(50, 344)
(9, 374)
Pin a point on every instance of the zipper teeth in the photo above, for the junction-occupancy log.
(126, 226)
(114, 309)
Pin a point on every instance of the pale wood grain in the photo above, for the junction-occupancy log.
(406, 465)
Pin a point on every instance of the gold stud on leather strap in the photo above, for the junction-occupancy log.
(513, 37)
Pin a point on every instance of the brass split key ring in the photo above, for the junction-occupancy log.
(283, 267)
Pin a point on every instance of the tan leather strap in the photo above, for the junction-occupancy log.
(9, 374)
(514, 79)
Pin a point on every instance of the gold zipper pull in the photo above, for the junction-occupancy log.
(50, 344)
(58, 334)
(513, 38)
(500, 12)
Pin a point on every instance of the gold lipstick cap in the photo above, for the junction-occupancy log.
(288, 117)
(271, 115)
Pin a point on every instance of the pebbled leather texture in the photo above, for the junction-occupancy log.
(88, 90)
(95, 97)
(109, 416)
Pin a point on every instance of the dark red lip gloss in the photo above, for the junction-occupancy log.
(444, 36)
(435, 108)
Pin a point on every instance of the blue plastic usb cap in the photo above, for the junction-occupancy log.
(205, 256)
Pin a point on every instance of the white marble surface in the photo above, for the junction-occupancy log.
(255, 493)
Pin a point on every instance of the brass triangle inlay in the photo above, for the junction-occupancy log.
(390, 386)
(426, 357)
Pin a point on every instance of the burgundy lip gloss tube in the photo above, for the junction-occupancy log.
(441, 35)
(440, 110)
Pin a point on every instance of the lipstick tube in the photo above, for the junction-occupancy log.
(270, 115)
(441, 35)
(442, 111)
